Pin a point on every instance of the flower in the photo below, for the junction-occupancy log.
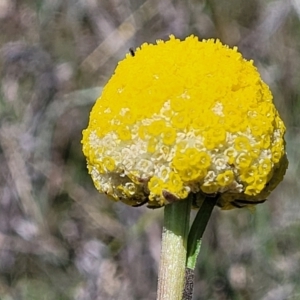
(184, 117)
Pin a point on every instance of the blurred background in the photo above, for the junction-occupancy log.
(59, 238)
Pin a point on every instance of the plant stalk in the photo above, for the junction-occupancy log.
(174, 250)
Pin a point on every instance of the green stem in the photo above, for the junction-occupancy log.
(194, 243)
(197, 230)
(174, 250)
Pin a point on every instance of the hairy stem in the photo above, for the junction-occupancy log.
(174, 250)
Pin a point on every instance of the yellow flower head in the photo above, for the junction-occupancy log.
(184, 117)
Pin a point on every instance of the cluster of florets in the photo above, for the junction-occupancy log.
(185, 117)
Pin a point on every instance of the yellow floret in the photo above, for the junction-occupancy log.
(156, 185)
(123, 133)
(152, 145)
(168, 136)
(180, 120)
(248, 175)
(175, 185)
(214, 137)
(210, 187)
(243, 160)
(156, 127)
(242, 143)
(225, 178)
(204, 160)
(128, 190)
(108, 163)
(177, 104)
(192, 173)
(265, 166)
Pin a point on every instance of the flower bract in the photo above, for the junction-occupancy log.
(184, 117)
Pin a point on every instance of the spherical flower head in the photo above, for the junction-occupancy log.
(184, 117)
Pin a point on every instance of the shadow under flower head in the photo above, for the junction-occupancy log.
(184, 117)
